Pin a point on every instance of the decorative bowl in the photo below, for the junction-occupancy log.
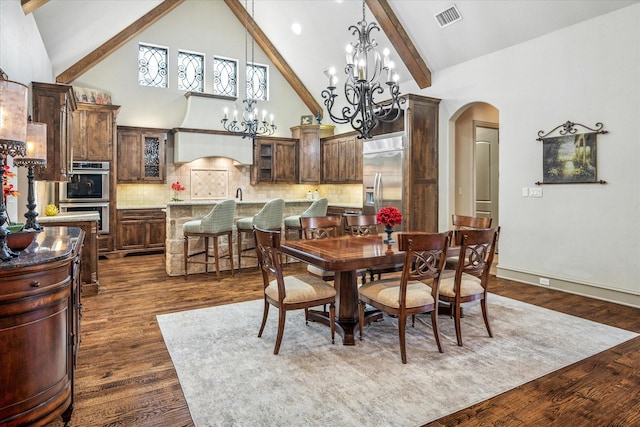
(20, 240)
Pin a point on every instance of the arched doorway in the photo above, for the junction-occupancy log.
(476, 162)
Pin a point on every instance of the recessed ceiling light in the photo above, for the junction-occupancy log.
(296, 28)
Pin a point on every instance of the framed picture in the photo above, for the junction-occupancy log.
(306, 120)
(570, 157)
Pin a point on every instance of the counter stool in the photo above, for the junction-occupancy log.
(268, 218)
(292, 223)
(215, 224)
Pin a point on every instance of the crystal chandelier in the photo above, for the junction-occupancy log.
(364, 70)
(249, 125)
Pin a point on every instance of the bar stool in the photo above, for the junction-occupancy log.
(268, 218)
(292, 223)
(215, 224)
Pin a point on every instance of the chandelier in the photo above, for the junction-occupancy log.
(364, 70)
(249, 125)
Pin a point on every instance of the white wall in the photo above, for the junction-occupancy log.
(24, 58)
(577, 234)
(207, 27)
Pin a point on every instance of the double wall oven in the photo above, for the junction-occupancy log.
(87, 190)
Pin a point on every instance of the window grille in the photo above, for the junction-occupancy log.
(225, 77)
(190, 71)
(257, 78)
(152, 65)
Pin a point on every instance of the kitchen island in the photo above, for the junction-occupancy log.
(180, 212)
(88, 222)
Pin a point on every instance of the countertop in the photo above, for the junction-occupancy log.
(69, 217)
(49, 245)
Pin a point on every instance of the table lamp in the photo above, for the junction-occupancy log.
(13, 136)
(36, 155)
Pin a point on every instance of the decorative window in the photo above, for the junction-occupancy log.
(152, 65)
(225, 76)
(257, 77)
(190, 71)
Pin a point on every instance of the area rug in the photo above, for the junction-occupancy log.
(230, 377)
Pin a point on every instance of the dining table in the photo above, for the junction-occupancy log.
(344, 255)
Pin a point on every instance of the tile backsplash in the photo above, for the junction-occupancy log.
(217, 176)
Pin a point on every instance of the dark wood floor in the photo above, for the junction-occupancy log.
(125, 376)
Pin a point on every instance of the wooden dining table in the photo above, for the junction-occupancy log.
(344, 255)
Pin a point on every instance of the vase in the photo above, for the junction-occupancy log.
(388, 229)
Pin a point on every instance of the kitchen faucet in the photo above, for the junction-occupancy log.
(239, 193)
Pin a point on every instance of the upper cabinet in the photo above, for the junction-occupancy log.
(309, 152)
(342, 159)
(54, 104)
(275, 160)
(93, 132)
(141, 156)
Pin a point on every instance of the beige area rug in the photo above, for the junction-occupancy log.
(230, 377)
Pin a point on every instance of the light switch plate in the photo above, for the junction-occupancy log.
(525, 192)
(535, 192)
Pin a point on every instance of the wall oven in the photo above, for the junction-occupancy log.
(88, 182)
(101, 207)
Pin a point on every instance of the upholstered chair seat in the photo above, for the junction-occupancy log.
(268, 218)
(317, 208)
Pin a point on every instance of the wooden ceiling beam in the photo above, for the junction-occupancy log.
(274, 56)
(401, 42)
(117, 41)
(29, 6)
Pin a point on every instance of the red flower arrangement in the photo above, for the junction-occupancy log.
(389, 216)
(176, 187)
(7, 189)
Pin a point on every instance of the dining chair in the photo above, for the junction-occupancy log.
(268, 218)
(471, 278)
(288, 292)
(417, 289)
(321, 227)
(292, 223)
(217, 223)
(464, 222)
(367, 225)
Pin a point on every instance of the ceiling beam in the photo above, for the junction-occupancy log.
(274, 56)
(400, 41)
(29, 6)
(117, 41)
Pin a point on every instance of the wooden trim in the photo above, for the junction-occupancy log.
(275, 57)
(29, 6)
(401, 42)
(117, 41)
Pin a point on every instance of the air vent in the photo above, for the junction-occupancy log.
(448, 17)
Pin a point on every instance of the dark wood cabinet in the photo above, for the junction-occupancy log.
(275, 160)
(93, 133)
(40, 329)
(141, 155)
(309, 153)
(54, 104)
(141, 230)
(342, 159)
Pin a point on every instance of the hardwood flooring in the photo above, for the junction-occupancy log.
(125, 376)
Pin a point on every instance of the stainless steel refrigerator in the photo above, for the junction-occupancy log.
(382, 177)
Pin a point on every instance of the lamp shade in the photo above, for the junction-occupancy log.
(13, 113)
(36, 142)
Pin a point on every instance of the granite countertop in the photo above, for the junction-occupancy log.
(70, 217)
(49, 245)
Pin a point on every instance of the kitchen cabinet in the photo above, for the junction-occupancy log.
(275, 160)
(141, 230)
(93, 132)
(141, 155)
(342, 159)
(53, 105)
(40, 329)
(309, 152)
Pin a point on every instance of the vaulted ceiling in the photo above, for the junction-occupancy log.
(78, 33)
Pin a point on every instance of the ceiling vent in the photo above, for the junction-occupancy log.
(448, 17)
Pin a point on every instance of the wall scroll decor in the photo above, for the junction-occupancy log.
(570, 157)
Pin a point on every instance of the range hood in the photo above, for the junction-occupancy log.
(196, 138)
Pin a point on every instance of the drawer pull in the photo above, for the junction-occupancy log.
(35, 284)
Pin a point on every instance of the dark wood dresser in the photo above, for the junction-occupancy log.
(40, 328)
